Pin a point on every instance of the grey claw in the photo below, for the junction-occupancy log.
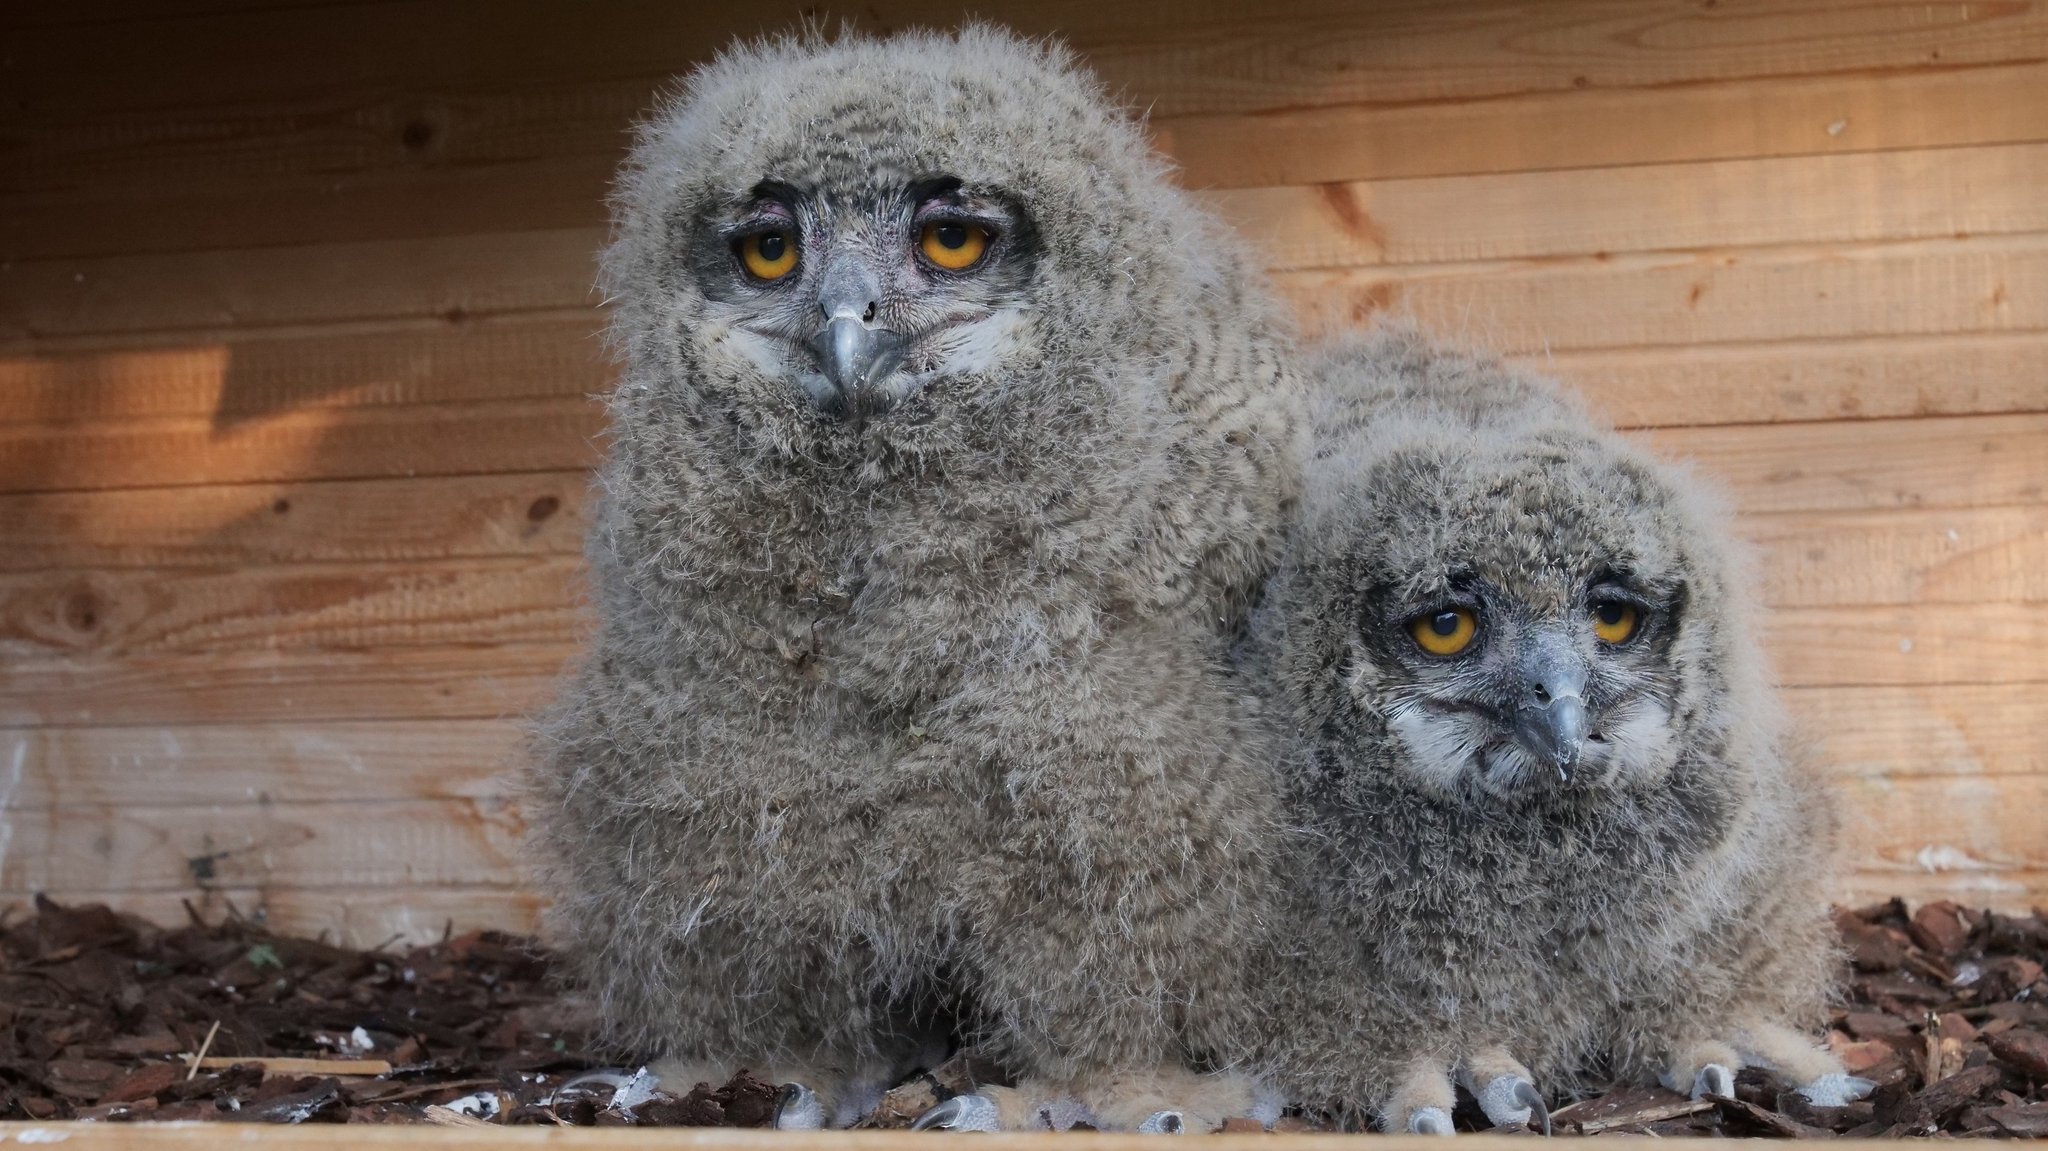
(1429, 1121)
(797, 1109)
(1163, 1123)
(961, 1113)
(1714, 1079)
(1539, 1114)
(1512, 1101)
(1836, 1089)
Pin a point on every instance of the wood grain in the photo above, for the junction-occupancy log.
(1959, 730)
(268, 685)
(127, 612)
(308, 762)
(310, 521)
(1953, 731)
(1982, 826)
(1808, 200)
(372, 843)
(231, 383)
(1902, 556)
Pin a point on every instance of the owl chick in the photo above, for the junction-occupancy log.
(1549, 831)
(950, 446)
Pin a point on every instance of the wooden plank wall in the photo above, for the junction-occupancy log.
(296, 335)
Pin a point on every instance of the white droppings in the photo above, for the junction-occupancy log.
(1954, 535)
(482, 1105)
(1942, 857)
(1838, 127)
(635, 1091)
(1967, 974)
(41, 1135)
(1905, 645)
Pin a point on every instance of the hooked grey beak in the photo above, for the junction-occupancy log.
(1551, 721)
(851, 349)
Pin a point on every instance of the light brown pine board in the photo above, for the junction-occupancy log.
(319, 443)
(1930, 287)
(1684, 298)
(1956, 731)
(1178, 58)
(1869, 465)
(524, 160)
(1810, 380)
(1919, 646)
(1984, 825)
(1846, 465)
(232, 383)
(261, 763)
(1902, 556)
(318, 521)
(1594, 128)
(284, 686)
(375, 843)
(2012, 892)
(130, 612)
(1921, 194)
(1959, 730)
(1806, 559)
(532, 359)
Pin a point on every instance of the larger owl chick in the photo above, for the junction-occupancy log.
(1550, 830)
(950, 444)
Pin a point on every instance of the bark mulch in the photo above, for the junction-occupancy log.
(104, 1016)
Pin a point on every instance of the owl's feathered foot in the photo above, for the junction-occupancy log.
(1421, 1104)
(1164, 1101)
(1793, 1057)
(1505, 1090)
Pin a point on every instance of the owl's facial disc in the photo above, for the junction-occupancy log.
(1487, 692)
(859, 299)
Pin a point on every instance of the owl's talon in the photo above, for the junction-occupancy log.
(1513, 1101)
(797, 1108)
(1429, 1121)
(1714, 1079)
(961, 1113)
(1163, 1123)
(1835, 1089)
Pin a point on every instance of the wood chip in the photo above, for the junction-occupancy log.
(1624, 1107)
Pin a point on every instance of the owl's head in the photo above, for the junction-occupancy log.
(1502, 595)
(860, 237)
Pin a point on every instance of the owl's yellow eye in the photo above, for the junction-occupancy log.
(769, 255)
(1615, 621)
(953, 245)
(1445, 632)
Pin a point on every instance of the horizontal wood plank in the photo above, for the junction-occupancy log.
(1902, 556)
(402, 167)
(1682, 298)
(1603, 127)
(353, 521)
(234, 383)
(127, 612)
(1178, 58)
(129, 615)
(318, 443)
(267, 685)
(1922, 194)
(1985, 827)
(1955, 731)
(375, 843)
(1918, 288)
(261, 763)
(1690, 384)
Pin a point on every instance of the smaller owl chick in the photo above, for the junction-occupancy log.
(1549, 831)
